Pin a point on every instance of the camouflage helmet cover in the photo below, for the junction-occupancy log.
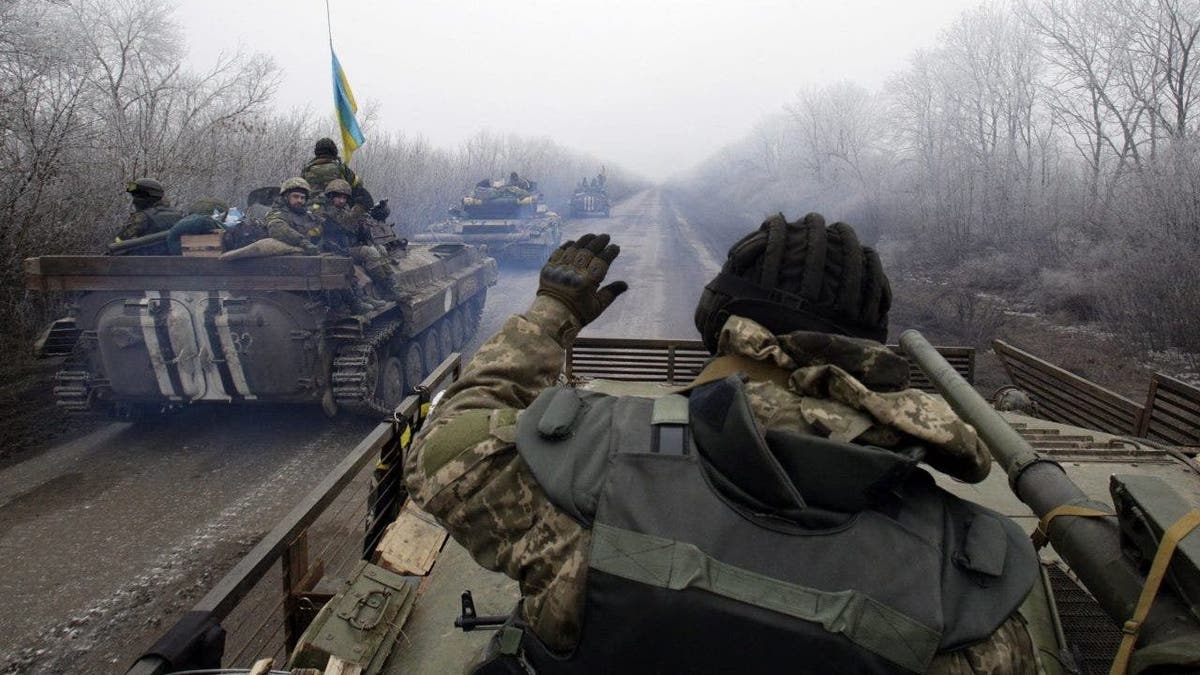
(338, 186)
(295, 185)
(145, 187)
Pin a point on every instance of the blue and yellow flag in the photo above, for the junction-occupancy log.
(343, 101)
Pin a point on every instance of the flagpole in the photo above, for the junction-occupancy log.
(329, 26)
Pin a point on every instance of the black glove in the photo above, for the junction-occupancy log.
(381, 211)
(573, 274)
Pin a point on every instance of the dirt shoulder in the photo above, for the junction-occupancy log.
(950, 315)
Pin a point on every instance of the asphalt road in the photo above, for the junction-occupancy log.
(106, 539)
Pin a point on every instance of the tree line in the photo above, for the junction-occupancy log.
(94, 93)
(1044, 150)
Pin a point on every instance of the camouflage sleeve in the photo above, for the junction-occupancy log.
(464, 469)
(1009, 651)
(279, 228)
(135, 226)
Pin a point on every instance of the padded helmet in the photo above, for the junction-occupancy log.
(325, 147)
(337, 186)
(799, 276)
(294, 185)
(145, 187)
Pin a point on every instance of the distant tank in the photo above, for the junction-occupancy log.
(148, 333)
(590, 198)
(507, 216)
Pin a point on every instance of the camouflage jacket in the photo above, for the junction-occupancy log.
(296, 229)
(465, 470)
(342, 227)
(157, 218)
(321, 170)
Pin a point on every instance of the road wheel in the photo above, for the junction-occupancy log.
(431, 348)
(390, 387)
(445, 336)
(458, 327)
(414, 366)
(474, 312)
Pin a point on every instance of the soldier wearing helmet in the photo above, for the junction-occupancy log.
(326, 166)
(291, 222)
(770, 517)
(150, 214)
(345, 233)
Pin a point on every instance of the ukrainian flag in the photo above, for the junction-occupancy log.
(343, 101)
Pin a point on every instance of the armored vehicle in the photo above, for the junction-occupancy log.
(150, 333)
(506, 216)
(590, 199)
(1126, 471)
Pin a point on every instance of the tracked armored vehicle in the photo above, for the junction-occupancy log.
(590, 199)
(150, 333)
(1075, 443)
(506, 216)
(589, 204)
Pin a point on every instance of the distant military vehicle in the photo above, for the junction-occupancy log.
(149, 333)
(590, 198)
(506, 216)
(1128, 498)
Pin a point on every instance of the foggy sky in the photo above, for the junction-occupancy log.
(651, 85)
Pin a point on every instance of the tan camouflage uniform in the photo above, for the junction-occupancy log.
(465, 470)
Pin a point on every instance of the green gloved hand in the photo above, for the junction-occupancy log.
(573, 274)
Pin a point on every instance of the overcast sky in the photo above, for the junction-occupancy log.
(655, 86)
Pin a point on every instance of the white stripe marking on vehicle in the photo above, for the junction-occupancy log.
(232, 358)
(150, 335)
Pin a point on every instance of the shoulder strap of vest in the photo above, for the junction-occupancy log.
(565, 437)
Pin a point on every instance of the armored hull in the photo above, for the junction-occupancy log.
(150, 333)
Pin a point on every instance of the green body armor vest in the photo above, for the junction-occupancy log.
(718, 547)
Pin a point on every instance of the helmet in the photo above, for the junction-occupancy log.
(337, 186)
(799, 276)
(145, 187)
(1011, 399)
(325, 147)
(294, 185)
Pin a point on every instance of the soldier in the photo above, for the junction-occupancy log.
(345, 233)
(291, 222)
(774, 520)
(151, 213)
(326, 166)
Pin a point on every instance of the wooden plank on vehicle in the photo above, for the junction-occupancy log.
(1172, 412)
(1066, 397)
(410, 545)
(337, 666)
(150, 265)
(183, 282)
(201, 245)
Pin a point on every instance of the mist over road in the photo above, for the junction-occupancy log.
(108, 538)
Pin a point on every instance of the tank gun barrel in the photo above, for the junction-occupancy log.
(1090, 546)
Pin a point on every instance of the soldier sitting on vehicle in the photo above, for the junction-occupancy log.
(151, 214)
(326, 166)
(773, 520)
(345, 232)
(291, 222)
